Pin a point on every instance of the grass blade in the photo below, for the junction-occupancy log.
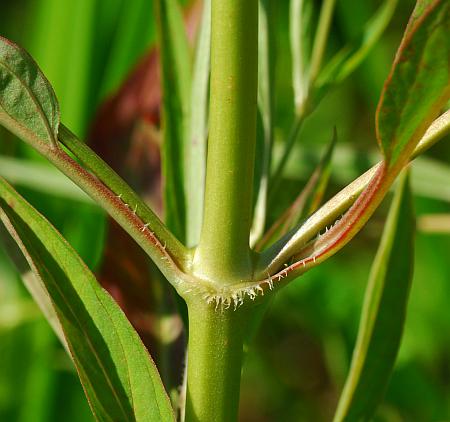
(175, 71)
(350, 57)
(119, 377)
(380, 330)
(195, 162)
(266, 79)
(300, 33)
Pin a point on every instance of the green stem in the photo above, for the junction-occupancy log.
(223, 254)
(214, 362)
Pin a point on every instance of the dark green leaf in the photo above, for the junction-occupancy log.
(175, 71)
(119, 377)
(348, 59)
(28, 105)
(419, 83)
(383, 313)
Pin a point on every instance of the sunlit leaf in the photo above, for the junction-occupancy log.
(383, 313)
(28, 105)
(119, 377)
(419, 83)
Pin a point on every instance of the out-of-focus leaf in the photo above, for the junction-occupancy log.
(35, 288)
(419, 83)
(300, 31)
(266, 78)
(195, 162)
(434, 223)
(28, 105)
(132, 35)
(40, 177)
(383, 314)
(175, 71)
(348, 59)
(119, 377)
(306, 202)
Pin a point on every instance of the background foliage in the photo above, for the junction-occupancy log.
(296, 365)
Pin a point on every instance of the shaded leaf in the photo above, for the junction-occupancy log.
(28, 105)
(419, 83)
(384, 312)
(175, 71)
(348, 59)
(119, 377)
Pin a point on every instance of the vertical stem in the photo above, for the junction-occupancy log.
(214, 363)
(223, 253)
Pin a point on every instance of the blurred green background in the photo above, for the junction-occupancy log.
(297, 363)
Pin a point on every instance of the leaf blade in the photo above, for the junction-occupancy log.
(110, 358)
(419, 82)
(28, 105)
(175, 71)
(379, 334)
(195, 160)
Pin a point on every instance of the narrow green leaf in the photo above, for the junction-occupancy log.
(348, 59)
(119, 377)
(195, 162)
(28, 105)
(34, 287)
(321, 38)
(175, 71)
(40, 177)
(300, 32)
(419, 83)
(380, 329)
(266, 82)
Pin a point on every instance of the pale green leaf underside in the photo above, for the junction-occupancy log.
(28, 105)
(383, 313)
(119, 377)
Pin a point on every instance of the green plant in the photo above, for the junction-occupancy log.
(226, 283)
